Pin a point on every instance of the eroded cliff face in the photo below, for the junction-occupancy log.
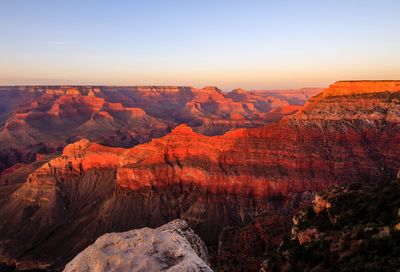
(43, 119)
(211, 182)
(244, 247)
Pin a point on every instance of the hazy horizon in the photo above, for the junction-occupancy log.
(179, 86)
(228, 44)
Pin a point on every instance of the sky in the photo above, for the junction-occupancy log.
(226, 43)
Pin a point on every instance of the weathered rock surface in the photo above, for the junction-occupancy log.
(211, 182)
(171, 247)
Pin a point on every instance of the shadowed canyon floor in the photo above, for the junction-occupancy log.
(54, 209)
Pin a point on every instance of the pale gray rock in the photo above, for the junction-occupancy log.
(171, 247)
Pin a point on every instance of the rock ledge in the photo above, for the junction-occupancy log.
(171, 247)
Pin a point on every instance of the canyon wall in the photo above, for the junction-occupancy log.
(211, 182)
(43, 119)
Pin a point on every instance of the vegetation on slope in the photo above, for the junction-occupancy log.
(349, 228)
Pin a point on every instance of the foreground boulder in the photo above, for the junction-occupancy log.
(171, 247)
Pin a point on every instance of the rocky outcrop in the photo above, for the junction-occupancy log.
(357, 232)
(171, 247)
(320, 204)
(211, 182)
(43, 119)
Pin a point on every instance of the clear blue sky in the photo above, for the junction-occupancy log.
(251, 44)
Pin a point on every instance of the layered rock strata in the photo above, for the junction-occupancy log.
(211, 182)
(43, 119)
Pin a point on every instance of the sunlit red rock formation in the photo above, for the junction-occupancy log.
(211, 182)
(362, 87)
(44, 119)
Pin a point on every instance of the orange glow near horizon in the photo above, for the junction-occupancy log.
(229, 44)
